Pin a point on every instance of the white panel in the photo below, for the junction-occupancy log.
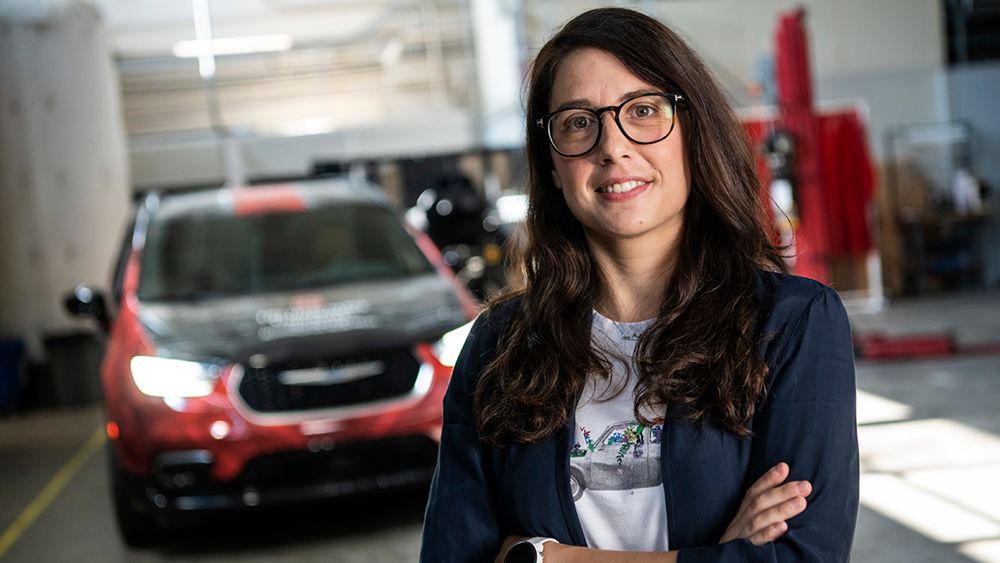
(64, 188)
(498, 72)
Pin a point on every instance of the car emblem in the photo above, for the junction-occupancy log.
(332, 375)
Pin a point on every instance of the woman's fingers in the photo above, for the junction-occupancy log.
(767, 505)
(768, 480)
(772, 523)
(769, 534)
(777, 495)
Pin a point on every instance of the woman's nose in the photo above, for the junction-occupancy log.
(613, 143)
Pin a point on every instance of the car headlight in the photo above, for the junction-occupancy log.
(448, 347)
(165, 377)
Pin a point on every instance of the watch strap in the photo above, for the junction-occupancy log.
(536, 544)
(539, 544)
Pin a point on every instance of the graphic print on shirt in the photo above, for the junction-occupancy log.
(626, 456)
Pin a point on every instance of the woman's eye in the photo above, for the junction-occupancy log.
(644, 111)
(579, 121)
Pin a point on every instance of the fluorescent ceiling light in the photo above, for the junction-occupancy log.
(235, 45)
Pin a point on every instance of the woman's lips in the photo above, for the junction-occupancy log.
(622, 191)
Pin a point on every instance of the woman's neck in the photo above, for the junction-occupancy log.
(634, 276)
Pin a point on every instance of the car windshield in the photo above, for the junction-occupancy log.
(204, 256)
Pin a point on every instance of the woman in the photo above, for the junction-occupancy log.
(660, 389)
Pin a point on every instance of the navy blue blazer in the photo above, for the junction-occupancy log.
(481, 494)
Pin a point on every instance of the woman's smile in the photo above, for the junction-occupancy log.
(620, 186)
(623, 191)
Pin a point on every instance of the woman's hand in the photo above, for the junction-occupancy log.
(766, 506)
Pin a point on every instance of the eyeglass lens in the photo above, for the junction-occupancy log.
(645, 119)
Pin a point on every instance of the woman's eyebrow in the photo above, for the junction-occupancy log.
(576, 104)
(587, 104)
(635, 93)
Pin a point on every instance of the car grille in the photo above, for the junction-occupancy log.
(264, 390)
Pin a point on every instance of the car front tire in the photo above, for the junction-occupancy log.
(138, 528)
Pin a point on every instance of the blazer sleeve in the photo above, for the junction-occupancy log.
(808, 420)
(460, 521)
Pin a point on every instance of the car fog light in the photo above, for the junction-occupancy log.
(219, 429)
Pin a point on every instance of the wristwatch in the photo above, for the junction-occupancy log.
(527, 551)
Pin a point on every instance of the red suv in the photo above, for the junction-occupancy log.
(272, 344)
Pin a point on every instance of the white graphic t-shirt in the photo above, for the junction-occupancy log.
(615, 461)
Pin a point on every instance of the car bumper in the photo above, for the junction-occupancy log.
(184, 482)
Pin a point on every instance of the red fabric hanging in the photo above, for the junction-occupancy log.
(848, 183)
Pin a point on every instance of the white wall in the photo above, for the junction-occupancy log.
(846, 36)
(64, 186)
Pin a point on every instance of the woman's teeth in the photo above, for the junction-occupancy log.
(621, 188)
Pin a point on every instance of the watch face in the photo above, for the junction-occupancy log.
(521, 552)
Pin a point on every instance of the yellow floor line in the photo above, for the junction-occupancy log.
(51, 490)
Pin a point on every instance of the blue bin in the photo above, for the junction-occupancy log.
(11, 356)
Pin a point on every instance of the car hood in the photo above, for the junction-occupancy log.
(306, 326)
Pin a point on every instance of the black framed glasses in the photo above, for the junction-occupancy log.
(644, 119)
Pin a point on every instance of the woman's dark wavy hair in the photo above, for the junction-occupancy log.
(700, 354)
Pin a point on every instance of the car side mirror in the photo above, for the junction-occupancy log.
(86, 302)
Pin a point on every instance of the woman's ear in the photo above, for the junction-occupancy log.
(556, 181)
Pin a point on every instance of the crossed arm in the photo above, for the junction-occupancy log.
(761, 518)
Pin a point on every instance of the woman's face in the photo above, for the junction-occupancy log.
(653, 179)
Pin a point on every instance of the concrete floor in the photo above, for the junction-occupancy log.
(929, 431)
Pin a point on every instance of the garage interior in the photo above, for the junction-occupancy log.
(100, 105)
